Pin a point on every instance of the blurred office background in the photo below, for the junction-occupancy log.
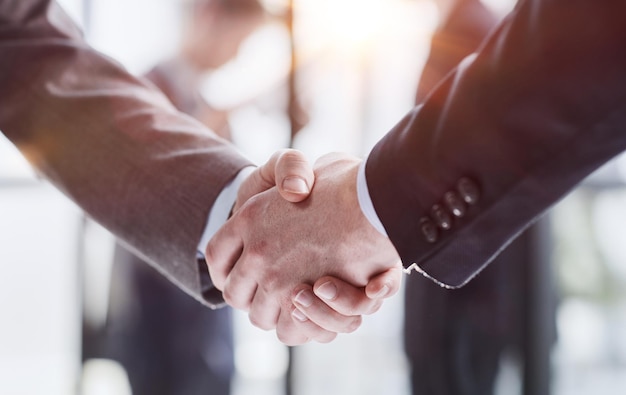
(358, 64)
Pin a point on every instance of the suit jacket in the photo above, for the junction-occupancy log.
(514, 128)
(112, 142)
(465, 330)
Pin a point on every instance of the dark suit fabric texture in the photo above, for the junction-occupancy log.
(168, 343)
(527, 118)
(454, 339)
(512, 130)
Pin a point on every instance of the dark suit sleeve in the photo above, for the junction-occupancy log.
(108, 140)
(540, 107)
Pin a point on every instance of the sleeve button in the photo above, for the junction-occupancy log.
(454, 204)
(468, 190)
(429, 230)
(441, 217)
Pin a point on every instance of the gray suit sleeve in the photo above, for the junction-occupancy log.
(109, 141)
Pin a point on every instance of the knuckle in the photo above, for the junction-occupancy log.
(290, 156)
(209, 254)
(250, 209)
(354, 324)
(234, 299)
(290, 339)
(228, 296)
(260, 323)
(258, 250)
(283, 338)
(326, 337)
(375, 307)
(213, 265)
(289, 334)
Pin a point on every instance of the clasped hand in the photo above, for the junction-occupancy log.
(307, 265)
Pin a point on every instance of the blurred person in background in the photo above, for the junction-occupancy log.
(454, 339)
(212, 33)
(167, 342)
(452, 344)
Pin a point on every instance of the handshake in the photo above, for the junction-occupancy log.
(298, 254)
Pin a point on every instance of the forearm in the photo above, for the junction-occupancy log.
(111, 142)
(539, 108)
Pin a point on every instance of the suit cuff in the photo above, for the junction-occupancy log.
(222, 207)
(365, 201)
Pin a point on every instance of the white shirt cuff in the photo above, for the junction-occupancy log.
(222, 207)
(365, 201)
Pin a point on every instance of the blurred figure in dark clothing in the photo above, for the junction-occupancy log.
(211, 38)
(463, 25)
(168, 343)
(454, 339)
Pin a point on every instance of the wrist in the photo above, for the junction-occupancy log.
(365, 200)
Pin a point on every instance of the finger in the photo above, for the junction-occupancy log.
(344, 298)
(295, 329)
(294, 176)
(240, 288)
(288, 170)
(385, 284)
(287, 331)
(264, 312)
(222, 252)
(315, 310)
(347, 299)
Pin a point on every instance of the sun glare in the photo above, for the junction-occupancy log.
(355, 23)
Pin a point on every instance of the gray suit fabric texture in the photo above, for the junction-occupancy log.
(167, 342)
(110, 141)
